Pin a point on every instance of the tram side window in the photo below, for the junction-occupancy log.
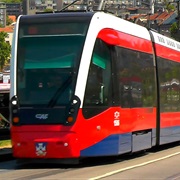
(136, 78)
(169, 80)
(98, 88)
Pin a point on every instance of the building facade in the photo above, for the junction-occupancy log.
(14, 9)
(35, 6)
(2, 14)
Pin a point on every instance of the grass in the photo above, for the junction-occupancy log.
(5, 143)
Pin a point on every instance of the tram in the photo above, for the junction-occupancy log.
(89, 84)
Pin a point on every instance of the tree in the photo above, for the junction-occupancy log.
(12, 1)
(173, 29)
(168, 6)
(175, 32)
(9, 21)
(5, 49)
(48, 10)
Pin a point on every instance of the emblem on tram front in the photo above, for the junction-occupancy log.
(41, 149)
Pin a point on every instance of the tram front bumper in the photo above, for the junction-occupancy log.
(45, 145)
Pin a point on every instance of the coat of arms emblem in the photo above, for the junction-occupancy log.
(41, 149)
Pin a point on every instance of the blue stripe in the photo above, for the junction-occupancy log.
(170, 134)
(112, 145)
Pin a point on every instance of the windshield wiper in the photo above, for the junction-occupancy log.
(59, 92)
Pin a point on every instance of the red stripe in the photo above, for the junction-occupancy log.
(125, 40)
(167, 53)
(135, 43)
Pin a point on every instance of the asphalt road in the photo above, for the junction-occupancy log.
(166, 169)
(164, 164)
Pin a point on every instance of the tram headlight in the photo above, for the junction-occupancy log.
(15, 120)
(14, 110)
(72, 110)
(14, 102)
(70, 119)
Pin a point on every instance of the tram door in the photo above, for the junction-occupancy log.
(102, 93)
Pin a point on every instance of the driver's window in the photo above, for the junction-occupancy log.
(98, 88)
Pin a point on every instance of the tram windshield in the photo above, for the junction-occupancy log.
(48, 57)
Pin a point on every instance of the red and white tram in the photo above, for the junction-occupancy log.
(91, 84)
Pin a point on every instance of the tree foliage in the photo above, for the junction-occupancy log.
(174, 28)
(9, 21)
(48, 10)
(175, 33)
(5, 49)
(168, 6)
(12, 1)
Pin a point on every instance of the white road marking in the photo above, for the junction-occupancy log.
(131, 167)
